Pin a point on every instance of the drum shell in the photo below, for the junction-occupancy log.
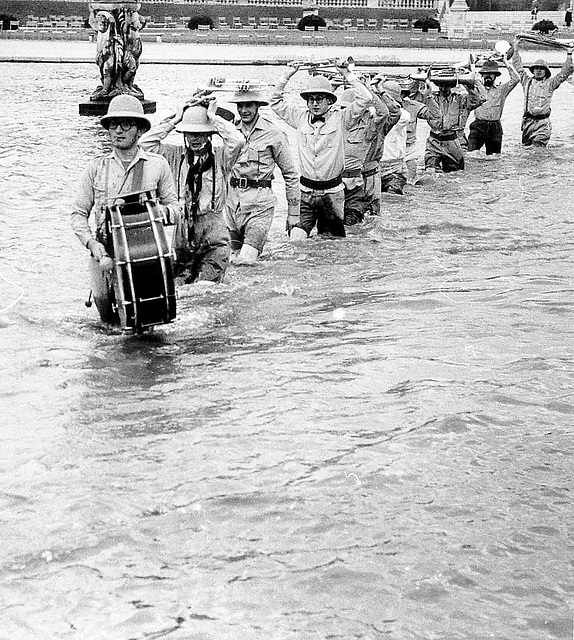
(143, 270)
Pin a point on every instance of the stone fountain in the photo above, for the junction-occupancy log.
(118, 51)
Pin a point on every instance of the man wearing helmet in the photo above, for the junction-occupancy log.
(446, 112)
(251, 202)
(320, 148)
(538, 88)
(486, 128)
(201, 171)
(127, 169)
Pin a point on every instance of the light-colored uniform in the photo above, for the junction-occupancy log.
(321, 156)
(417, 110)
(103, 182)
(201, 239)
(251, 202)
(393, 170)
(536, 125)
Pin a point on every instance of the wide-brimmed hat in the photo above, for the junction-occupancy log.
(541, 64)
(318, 84)
(195, 120)
(392, 88)
(249, 96)
(490, 66)
(126, 106)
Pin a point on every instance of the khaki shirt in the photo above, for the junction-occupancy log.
(538, 93)
(106, 179)
(448, 114)
(266, 146)
(496, 96)
(320, 145)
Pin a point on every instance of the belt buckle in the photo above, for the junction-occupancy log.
(242, 183)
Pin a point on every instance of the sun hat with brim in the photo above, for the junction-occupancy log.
(392, 88)
(541, 64)
(318, 84)
(126, 107)
(248, 96)
(490, 66)
(195, 120)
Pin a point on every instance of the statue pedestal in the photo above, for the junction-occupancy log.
(100, 107)
(457, 26)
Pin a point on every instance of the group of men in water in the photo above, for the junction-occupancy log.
(349, 147)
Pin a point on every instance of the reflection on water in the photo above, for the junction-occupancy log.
(353, 439)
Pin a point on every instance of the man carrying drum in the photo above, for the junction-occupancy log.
(201, 170)
(486, 128)
(538, 89)
(127, 169)
(251, 202)
(320, 147)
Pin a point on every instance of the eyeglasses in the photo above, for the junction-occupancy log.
(124, 125)
(316, 98)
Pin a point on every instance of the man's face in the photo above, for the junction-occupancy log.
(488, 79)
(195, 141)
(124, 133)
(248, 111)
(318, 103)
(444, 89)
(539, 73)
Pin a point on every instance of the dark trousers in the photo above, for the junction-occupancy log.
(487, 133)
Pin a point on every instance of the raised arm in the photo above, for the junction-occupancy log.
(564, 73)
(291, 113)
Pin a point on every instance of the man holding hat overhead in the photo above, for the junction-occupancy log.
(486, 129)
(320, 148)
(251, 202)
(126, 170)
(538, 88)
(201, 171)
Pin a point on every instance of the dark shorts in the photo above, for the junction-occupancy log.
(326, 210)
(487, 133)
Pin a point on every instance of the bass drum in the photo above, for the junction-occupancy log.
(142, 280)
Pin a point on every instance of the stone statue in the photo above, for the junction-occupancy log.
(119, 47)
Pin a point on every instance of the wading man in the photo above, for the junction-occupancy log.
(486, 128)
(251, 202)
(320, 148)
(538, 87)
(127, 169)
(201, 170)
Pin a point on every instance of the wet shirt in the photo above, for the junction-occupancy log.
(266, 146)
(106, 179)
(538, 93)
(448, 114)
(385, 117)
(320, 145)
(496, 96)
(212, 195)
(395, 147)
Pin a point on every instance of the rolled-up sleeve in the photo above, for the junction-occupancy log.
(83, 206)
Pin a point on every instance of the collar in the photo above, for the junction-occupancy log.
(140, 155)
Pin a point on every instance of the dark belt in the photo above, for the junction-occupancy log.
(320, 184)
(483, 120)
(444, 136)
(370, 172)
(542, 116)
(244, 183)
(351, 173)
